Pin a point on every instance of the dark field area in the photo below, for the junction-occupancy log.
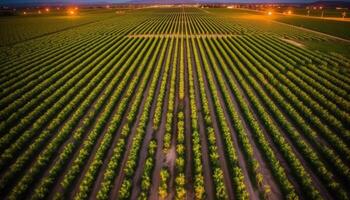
(333, 27)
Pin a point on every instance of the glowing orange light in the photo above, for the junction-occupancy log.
(269, 13)
(39, 12)
(289, 12)
(76, 8)
(47, 9)
(71, 11)
(24, 13)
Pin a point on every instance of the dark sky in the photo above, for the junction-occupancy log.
(119, 1)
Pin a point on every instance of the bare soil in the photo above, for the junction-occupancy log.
(188, 132)
(150, 133)
(316, 181)
(293, 42)
(209, 186)
(223, 162)
(241, 160)
(264, 168)
(57, 187)
(159, 157)
(121, 174)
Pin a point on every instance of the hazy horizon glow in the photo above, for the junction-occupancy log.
(36, 2)
(121, 1)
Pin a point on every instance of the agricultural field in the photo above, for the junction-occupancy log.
(314, 11)
(31, 24)
(172, 103)
(335, 26)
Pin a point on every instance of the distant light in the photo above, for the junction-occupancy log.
(321, 7)
(58, 8)
(269, 13)
(72, 11)
(47, 9)
(289, 12)
(39, 12)
(24, 13)
(229, 7)
(107, 6)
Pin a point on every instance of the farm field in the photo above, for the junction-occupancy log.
(337, 27)
(172, 103)
(317, 12)
(25, 27)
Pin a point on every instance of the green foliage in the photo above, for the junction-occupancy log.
(74, 111)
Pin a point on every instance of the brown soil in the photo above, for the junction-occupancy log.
(209, 186)
(264, 168)
(171, 165)
(159, 157)
(57, 187)
(241, 160)
(121, 174)
(150, 133)
(305, 164)
(220, 144)
(316, 181)
(55, 157)
(188, 132)
(69, 140)
(109, 154)
(295, 43)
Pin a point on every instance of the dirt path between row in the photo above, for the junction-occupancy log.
(221, 151)
(284, 163)
(57, 188)
(264, 166)
(209, 186)
(159, 134)
(315, 179)
(188, 131)
(324, 192)
(109, 154)
(278, 154)
(80, 124)
(50, 138)
(170, 157)
(254, 194)
(150, 134)
(121, 175)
